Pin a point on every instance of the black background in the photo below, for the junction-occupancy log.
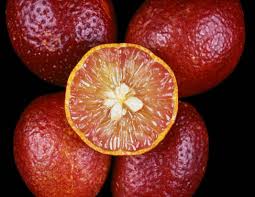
(225, 110)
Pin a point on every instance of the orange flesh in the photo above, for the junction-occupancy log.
(150, 80)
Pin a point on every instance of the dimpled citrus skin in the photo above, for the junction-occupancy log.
(50, 37)
(51, 159)
(174, 168)
(201, 41)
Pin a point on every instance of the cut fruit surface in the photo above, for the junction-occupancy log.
(121, 99)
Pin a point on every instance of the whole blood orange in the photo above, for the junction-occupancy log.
(51, 158)
(121, 99)
(174, 168)
(201, 40)
(50, 37)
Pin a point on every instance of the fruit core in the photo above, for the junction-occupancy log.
(120, 100)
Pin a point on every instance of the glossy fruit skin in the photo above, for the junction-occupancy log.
(51, 159)
(50, 37)
(174, 168)
(201, 41)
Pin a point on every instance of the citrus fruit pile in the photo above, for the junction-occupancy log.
(120, 99)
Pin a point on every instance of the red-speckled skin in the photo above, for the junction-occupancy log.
(50, 36)
(174, 168)
(201, 41)
(51, 159)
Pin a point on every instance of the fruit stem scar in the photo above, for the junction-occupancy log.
(120, 100)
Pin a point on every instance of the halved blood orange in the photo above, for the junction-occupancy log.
(121, 99)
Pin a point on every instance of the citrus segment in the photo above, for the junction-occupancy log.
(121, 99)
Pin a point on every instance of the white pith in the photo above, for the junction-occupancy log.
(120, 100)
